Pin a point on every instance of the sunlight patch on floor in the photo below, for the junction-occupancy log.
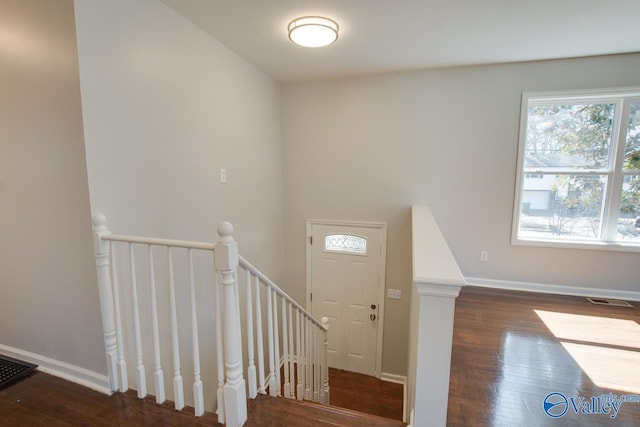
(608, 367)
(606, 349)
(592, 329)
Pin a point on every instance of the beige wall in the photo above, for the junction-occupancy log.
(166, 107)
(368, 148)
(49, 303)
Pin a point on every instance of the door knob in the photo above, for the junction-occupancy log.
(373, 306)
(372, 317)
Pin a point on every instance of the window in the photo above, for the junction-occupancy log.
(578, 182)
(345, 243)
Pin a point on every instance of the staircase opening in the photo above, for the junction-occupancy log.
(196, 323)
(367, 394)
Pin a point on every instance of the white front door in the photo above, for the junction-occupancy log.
(346, 271)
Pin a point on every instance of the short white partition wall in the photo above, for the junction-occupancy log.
(163, 299)
(437, 282)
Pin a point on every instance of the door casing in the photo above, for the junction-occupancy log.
(382, 227)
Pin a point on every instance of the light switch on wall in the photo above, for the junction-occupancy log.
(394, 293)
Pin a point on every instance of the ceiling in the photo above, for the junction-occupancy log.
(380, 36)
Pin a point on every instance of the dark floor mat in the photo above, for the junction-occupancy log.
(12, 370)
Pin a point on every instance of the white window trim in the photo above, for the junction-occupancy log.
(615, 175)
(346, 251)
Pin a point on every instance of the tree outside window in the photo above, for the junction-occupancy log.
(586, 149)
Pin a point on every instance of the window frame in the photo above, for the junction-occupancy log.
(346, 251)
(614, 172)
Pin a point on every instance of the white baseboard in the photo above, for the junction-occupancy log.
(393, 378)
(399, 379)
(554, 289)
(66, 371)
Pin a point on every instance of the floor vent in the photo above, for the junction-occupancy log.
(12, 370)
(611, 302)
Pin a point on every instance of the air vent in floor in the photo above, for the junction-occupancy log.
(12, 370)
(611, 302)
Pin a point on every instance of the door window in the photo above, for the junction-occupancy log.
(345, 243)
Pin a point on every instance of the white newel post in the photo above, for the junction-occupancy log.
(103, 257)
(325, 364)
(226, 263)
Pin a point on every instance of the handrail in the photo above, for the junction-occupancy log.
(254, 271)
(155, 241)
(226, 262)
(187, 244)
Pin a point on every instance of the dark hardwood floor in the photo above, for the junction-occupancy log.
(278, 412)
(510, 350)
(366, 394)
(506, 359)
(43, 400)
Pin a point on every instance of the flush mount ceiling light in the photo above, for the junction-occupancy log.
(313, 31)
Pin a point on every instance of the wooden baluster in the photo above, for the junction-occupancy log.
(310, 365)
(141, 377)
(178, 387)
(276, 344)
(292, 391)
(272, 363)
(123, 381)
(260, 343)
(158, 374)
(325, 361)
(251, 370)
(300, 384)
(285, 349)
(219, 351)
(235, 394)
(106, 299)
(303, 357)
(316, 364)
(307, 360)
(198, 398)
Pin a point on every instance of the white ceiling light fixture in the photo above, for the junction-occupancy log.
(313, 31)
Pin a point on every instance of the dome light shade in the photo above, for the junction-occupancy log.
(313, 31)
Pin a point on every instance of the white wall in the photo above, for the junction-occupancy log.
(165, 107)
(369, 148)
(49, 304)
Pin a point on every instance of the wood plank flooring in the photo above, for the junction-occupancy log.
(361, 393)
(366, 394)
(43, 400)
(506, 360)
(278, 412)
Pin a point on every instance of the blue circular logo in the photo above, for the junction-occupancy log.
(555, 405)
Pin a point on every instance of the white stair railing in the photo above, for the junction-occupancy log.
(144, 306)
(305, 351)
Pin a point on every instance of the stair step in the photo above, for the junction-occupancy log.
(277, 411)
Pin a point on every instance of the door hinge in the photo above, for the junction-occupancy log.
(311, 240)
(311, 296)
